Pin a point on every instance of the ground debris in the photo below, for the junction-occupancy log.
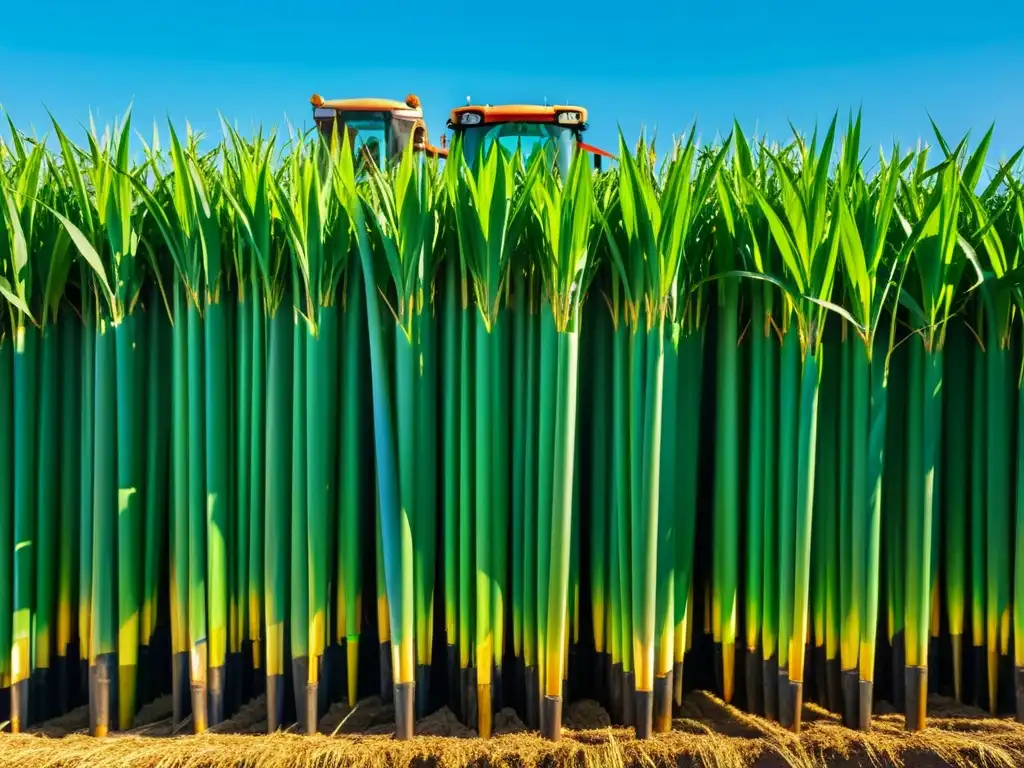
(705, 732)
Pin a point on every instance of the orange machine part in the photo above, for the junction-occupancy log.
(527, 113)
(360, 105)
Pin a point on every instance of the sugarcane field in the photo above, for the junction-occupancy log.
(319, 450)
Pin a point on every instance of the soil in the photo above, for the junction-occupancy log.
(706, 731)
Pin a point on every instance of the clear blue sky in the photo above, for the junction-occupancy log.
(659, 64)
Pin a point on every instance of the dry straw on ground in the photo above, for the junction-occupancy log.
(708, 733)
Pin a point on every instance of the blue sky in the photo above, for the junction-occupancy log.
(631, 64)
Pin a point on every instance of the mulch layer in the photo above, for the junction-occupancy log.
(707, 732)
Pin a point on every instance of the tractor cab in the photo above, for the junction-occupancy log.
(378, 130)
(557, 131)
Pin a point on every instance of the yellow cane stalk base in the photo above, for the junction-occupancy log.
(917, 698)
(957, 642)
(352, 668)
(663, 703)
(483, 718)
(100, 674)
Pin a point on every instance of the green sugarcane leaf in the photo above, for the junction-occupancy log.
(19, 249)
(938, 135)
(819, 196)
(787, 247)
(972, 257)
(841, 311)
(616, 255)
(1002, 176)
(883, 212)
(70, 154)
(976, 162)
(57, 274)
(824, 267)
(122, 185)
(116, 238)
(171, 231)
(88, 252)
(16, 301)
(788, 289)
(854, 259)
(915, 308)
(19, 144)
(744, 157)
(793, 203)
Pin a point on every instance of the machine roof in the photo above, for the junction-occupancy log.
(367, 104)
(503, 113)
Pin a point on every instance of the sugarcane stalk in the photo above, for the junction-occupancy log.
(789, 412)
(876, 447)
(257, 474)
(622, 437)
(849, 458)
(563, 449)
(932, 462)
(548, 651)
(770, 580)
(103, 645)
(923, 445)
(179, 554)
(518, 370)
(1018, 563)
(321, 420)
(47, 515)
(450, 377)
(997, 497)
(895, 498)
(668, 547)
(531, 514)
(352, 501)
(955, 490)
(915, 601)
(197, 524)
(837, 693)
(466, 510)
(352, 496)
(860, 363)
(242, 498)
(810, 379)
(425, 520)
(600, 487)
(129, 529)
(7, 515)
(406, 354)
(645, 523)
(218, 501)
(86, 489)
(156, 470)
(756, 490)
(298, 580)
(279, 445)
(484, 636)
(26, 365)
(396, 529)
(979, 525)
(501, 489)
(233, 547)
(691, 360)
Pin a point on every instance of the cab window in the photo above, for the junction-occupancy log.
(555, 141)
(369, 134)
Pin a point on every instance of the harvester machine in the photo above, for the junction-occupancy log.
(379, 130)
(556, 129)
